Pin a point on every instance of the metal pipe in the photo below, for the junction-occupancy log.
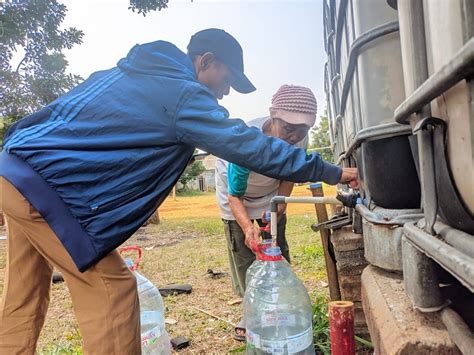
(326, 78)
(378, 218)
(458, 239)
(454, 237)
(386, 130)
(467, 14)
(335, 95)
(274, 218)
(413, 44)
(341, 16)
(454, 261)
(415, 69)
(427, 178)
(275, 201)
(313, 200)
(334, 81)
(362, 40)
(330, 36)
(457, 69)
(458, 330)
(326, 28)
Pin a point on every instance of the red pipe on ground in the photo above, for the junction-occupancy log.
(341, 327)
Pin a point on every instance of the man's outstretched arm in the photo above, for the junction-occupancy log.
(202, 123)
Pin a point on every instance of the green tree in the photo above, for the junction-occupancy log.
(30, 30)
(145, 6)
(191, 172)
(320, 140)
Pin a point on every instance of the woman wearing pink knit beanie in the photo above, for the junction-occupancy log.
(243, 196)
(295, 105)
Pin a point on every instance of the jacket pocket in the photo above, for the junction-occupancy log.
(115, 201)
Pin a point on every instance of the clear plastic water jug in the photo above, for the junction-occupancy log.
(155, 340)
(258, 263)
(277, 309)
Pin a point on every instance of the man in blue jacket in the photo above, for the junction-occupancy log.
(81, 175)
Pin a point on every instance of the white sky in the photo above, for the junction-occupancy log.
(282, 40)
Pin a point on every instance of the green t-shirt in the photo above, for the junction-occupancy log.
(237, 177)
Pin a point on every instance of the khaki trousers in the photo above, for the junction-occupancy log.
(104, 297)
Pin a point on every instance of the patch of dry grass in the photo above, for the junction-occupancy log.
(205, 205)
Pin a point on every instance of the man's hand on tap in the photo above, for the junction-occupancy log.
(349, 176)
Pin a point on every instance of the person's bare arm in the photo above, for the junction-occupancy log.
(251, 231)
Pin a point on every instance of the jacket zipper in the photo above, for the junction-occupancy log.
(113, 202)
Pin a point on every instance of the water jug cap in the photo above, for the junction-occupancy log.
(264, 244)
(272, 254)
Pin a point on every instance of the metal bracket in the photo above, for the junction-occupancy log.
(334, 223)
(348, 199)
(427, 122)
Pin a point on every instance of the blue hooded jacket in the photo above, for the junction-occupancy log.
(100, 159)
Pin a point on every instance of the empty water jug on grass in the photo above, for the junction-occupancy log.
(277, 309)
(155, 339)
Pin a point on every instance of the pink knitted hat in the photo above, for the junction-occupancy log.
(295, 105)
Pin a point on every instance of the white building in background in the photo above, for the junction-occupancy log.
(206, 180)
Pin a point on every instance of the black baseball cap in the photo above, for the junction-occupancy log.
(227, 50)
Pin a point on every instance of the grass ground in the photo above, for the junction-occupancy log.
(187, 243)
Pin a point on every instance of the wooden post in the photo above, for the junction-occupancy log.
(322, 214)
(174, 193)
(341, 327)
(154, 218)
